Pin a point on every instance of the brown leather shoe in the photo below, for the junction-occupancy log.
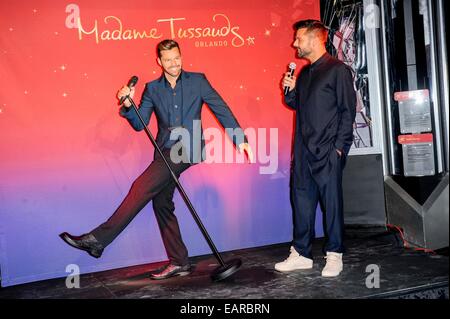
(170, 270)
(85, 242)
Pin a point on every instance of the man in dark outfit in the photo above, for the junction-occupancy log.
(325, 103)
(176, 98)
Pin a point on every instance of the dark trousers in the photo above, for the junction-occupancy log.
(156, 184)
(305, 196)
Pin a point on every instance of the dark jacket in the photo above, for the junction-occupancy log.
(325, 101)
(196, 90)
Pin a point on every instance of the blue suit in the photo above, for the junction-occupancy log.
(175, 108)
(195, 91)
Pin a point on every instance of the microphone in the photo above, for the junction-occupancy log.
(292, 67)
(132, 82)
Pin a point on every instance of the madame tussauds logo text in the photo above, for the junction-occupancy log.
(112, 29)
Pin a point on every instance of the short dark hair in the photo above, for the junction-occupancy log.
(312, 26)
(167, 44)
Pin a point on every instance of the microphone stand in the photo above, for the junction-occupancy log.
(225, 269)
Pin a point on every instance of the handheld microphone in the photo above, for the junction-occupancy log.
(132, 82)
(292, 67)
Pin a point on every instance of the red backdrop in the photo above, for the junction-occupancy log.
(67, 157)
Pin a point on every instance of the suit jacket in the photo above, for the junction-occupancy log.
(196, 90)
(325, 101)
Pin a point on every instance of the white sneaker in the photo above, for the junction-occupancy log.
(334, 265)
(294, 262)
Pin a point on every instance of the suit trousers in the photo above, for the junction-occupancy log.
(306, 194)
(154, 184)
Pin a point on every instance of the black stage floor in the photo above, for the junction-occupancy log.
(403, 273)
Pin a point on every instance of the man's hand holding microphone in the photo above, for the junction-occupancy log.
(289, 79)
(127, 90)
(124, 92)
